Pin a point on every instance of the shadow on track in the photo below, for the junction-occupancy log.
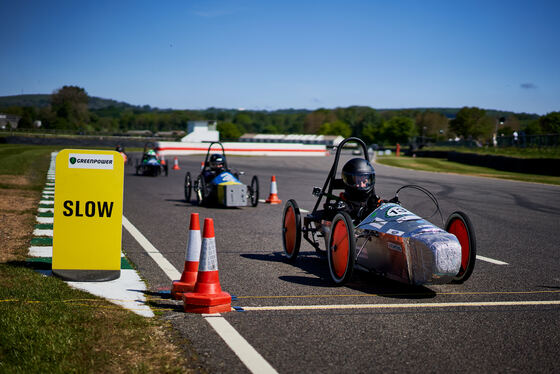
(317, 269)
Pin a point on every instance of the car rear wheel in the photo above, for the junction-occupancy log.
(341, 251)
(254, 193)
(291, 230)
(460, 225)
(188, 187)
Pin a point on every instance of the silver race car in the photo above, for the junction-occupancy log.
(389, 240)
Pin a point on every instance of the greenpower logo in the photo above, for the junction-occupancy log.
(90, 161)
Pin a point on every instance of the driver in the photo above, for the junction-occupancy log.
(150, 157)
(217, 162)
(217, 166)
(359, 195)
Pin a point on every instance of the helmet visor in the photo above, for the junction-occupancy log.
(360, 181)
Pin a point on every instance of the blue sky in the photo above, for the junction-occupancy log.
(288, 54)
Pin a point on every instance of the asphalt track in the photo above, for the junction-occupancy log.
(504, 318)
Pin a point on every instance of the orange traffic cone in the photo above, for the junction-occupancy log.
(176, 164)
(163, 160)
(192, 256)
(273, 197)
(207, 296)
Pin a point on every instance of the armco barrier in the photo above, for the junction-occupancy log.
(243, 149)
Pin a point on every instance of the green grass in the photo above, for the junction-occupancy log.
(16, 159)
(444, 166)
(43, 330)
(48, 327)
(30, 161)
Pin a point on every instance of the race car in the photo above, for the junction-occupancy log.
(218, 185)
(389, 240)
(150, 164)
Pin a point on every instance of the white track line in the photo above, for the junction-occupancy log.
(162, 262)
(491, 260)
(246, 353)
(401, 306)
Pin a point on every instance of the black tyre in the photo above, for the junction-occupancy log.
(166, 169)
(291, 230)
(341, 251)
(254, 192)
(460, 225)
(188, 187)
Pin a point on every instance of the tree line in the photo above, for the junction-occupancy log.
(70, 109)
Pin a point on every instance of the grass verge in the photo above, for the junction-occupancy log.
(520, 152)
(444, 166)
(46, 326)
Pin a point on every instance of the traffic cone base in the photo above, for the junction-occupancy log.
(201, 299)
(273, 199)
(179, 288)
(187, 281)
(207, 309)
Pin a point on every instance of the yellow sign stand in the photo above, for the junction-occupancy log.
(88, 205)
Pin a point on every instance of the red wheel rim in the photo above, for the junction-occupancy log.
(459, 229)
(290, 230)
(339, 249)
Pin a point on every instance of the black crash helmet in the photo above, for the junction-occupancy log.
(358, 176)
(217, 161)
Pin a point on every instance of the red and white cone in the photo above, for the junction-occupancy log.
(207, 296)
(162, 160)
(176, 164)
(273, 197)
(192, 256)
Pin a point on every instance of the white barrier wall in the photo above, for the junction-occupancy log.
(245, 149)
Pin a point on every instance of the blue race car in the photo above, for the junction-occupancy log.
(218, 185)
(150, 164)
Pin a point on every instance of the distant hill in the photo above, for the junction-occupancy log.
(452, 112)
(42, 100)
(97, 103)
(25, 100)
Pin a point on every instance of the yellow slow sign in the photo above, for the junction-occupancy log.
(88, 204)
